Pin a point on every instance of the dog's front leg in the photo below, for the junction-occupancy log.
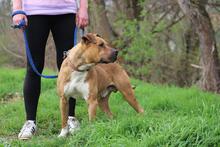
(64, 116)
(93, 103)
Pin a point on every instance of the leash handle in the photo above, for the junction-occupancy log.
(22, 23)
(18, 12)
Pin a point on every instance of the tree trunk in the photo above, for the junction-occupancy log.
(197, 14)
(98, 20)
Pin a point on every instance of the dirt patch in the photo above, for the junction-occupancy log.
(11, 97)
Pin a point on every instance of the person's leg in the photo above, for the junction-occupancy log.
(37, 33)
(63, 34)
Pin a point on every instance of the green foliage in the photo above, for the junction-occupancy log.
(173, 117)
(154, 52)
(137, 52)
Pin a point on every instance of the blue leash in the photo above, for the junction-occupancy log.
(22, 25)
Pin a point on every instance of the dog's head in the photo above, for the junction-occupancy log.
(97, 50)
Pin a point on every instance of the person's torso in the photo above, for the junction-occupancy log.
(49, 7)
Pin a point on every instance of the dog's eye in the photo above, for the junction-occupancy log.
(101, 44)
(98, 35)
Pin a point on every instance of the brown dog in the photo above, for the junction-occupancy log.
(81, 75)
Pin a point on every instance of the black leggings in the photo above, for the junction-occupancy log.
(39, 26)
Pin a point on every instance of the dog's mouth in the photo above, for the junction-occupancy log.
(104, 61)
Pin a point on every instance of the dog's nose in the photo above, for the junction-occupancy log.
(114, 55)
(114, 52)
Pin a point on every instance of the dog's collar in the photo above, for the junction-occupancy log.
(74, 67)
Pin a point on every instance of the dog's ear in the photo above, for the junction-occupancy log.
(88, 38)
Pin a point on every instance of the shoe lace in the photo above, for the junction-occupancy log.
(27, 127)
(73, 122)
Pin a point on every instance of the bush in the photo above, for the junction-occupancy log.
(157, 53)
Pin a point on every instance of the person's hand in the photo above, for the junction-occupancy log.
(18, 18)
(82, 18)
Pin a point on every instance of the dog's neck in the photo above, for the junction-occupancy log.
(75, 59)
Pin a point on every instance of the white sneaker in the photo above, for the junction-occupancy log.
(73, 124)
(28, 130)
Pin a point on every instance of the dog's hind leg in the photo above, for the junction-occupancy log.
(104, 106)
(124, 86)
(64, 116)
(130, 98)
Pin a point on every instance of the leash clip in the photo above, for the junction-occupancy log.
(82, 32)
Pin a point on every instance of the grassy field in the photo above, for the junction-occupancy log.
(174, 117)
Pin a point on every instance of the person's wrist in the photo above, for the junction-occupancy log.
(84, 8)
(16, 9)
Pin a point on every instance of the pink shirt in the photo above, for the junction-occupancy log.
(49, 7)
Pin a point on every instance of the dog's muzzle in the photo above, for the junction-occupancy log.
(112, 58)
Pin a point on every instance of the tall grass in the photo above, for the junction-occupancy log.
(173, 117)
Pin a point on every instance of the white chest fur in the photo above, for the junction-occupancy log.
(77, 86)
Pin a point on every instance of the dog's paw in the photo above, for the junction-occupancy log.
(64, 132)
(141, 111)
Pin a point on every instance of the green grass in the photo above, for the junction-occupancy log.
(173, 117)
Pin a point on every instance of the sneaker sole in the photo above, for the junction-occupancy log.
(26, 138)
(23, 138)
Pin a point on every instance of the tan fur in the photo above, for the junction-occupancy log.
(100, 77)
